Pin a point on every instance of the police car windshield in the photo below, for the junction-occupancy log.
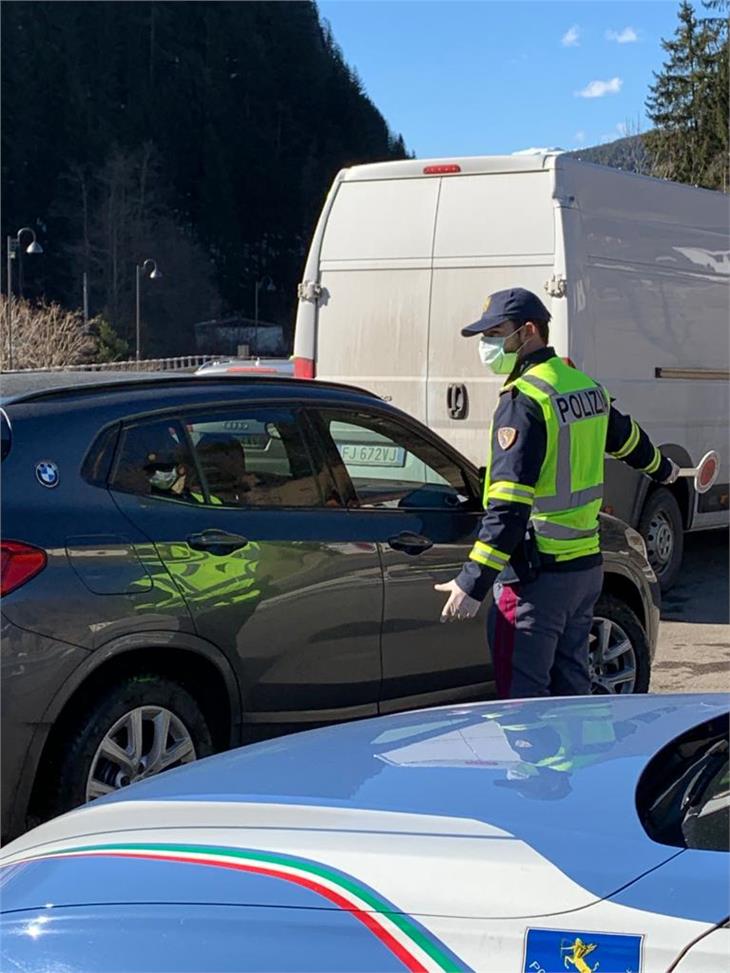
(683, 797)
(706, 802)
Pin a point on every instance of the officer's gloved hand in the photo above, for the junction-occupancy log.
(459, 606)
(673, 473)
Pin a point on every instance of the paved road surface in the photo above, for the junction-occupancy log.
(693, 654)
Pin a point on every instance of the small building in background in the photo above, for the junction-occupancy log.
(240, 337)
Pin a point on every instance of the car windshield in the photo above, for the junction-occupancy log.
(683, 797)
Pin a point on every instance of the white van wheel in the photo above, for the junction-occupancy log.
(663, 532)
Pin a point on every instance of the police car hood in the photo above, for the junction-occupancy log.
(429, 813)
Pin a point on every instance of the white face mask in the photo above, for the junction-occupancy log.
(172, 480)
(163, 479)
(492, 354)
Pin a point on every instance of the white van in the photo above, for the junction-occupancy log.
(635, 271)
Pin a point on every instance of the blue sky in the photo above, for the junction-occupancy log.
(496, 76)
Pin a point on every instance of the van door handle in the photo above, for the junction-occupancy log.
(218, 542)
(457, 401)
(410, 543)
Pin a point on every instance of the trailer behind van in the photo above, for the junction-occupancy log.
(635, 272)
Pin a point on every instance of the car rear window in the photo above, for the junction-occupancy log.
(7, 436)
(154, 460)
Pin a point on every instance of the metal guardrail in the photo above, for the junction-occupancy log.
(179, 363)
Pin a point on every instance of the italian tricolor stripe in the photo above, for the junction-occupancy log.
(416, 948)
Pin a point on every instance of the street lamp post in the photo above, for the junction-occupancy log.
(13, 244)
(140, 271)
(268, 283)
(85, 289)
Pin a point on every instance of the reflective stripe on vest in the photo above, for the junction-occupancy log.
(570, 485)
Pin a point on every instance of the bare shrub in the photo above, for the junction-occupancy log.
(43, 336)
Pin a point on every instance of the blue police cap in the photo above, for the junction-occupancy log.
(515, 304)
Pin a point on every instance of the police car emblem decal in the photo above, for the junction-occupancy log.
(506, 436)
(557, 950)
(46, 473)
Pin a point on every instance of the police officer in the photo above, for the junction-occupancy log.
(542, 494)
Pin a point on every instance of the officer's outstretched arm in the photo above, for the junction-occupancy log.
(627, 441)
(516, 455)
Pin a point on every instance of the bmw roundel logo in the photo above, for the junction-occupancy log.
(46, 473)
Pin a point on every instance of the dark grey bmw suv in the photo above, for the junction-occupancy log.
(192, 562)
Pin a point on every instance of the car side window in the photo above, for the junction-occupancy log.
(98, 460)
(255, 458)
(392, 466)
(154, 459)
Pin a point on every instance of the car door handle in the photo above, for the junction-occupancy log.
(410, 543)
(217, 542)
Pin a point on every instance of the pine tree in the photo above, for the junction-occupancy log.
(719, 108)
(689, 141)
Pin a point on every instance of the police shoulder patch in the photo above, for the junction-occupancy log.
(506, 436)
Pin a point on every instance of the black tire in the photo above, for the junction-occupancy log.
(623, 618)
(663, 532)
(81, 738)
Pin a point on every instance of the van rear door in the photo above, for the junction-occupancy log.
(375, 273)
(494, 230)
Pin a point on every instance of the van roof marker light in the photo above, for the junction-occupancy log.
(441, 170)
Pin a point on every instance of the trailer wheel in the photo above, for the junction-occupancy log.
(663, 532)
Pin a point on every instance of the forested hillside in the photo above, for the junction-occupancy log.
(202, 135)
(687, 106)
(628, 153)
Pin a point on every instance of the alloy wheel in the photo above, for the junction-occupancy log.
(612, 659)
(143, 742)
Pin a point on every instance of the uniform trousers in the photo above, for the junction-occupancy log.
(539, 631)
